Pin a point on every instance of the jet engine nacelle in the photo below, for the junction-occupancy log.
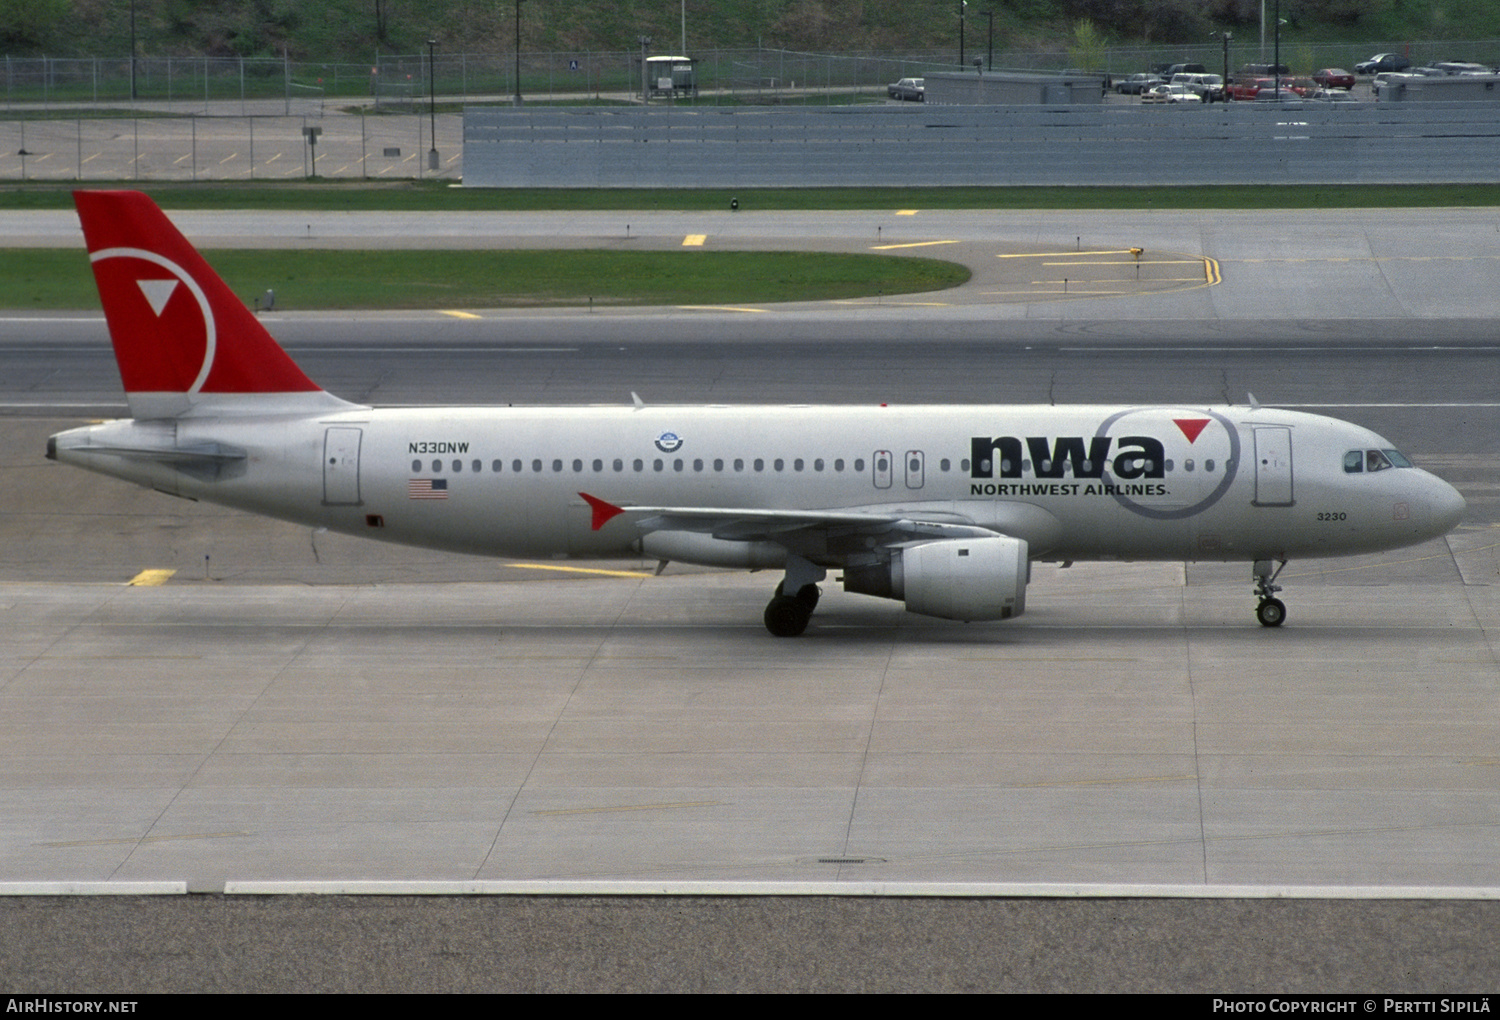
(955, 579)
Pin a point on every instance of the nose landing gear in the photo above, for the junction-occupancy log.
(1271, 612)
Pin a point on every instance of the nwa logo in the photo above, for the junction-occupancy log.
(1129, 457)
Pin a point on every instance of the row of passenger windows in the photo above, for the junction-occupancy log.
(677, 464)
(838, 465)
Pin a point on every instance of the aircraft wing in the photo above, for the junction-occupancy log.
(739, 524)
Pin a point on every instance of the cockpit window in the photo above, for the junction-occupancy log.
(1358, 461)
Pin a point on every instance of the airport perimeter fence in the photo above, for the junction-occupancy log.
(197, 148)
(213, 85)
(244, 118)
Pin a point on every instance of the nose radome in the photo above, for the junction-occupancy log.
(1448, 506)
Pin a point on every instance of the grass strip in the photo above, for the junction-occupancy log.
(416, 196)
(41, 279)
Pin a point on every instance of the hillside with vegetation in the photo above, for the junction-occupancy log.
(358, 29)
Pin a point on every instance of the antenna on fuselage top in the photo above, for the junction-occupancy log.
(635, 398)
(1254, 404)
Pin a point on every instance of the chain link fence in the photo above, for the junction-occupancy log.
(213, 84)
(264, 118)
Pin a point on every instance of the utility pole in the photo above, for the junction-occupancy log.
(432, 155)
(961, 5)
(518, 53)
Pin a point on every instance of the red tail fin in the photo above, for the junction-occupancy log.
(181, 336)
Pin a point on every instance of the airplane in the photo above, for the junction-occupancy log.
(943, 508)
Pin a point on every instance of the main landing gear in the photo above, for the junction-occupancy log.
(788, 615)
(1271, 612)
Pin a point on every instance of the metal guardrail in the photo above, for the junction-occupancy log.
(1234, 143)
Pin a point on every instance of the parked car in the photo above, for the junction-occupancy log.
(1209, 87)
(912, 89)
(1248, 88)
(1333, 95)
(1334, 78)
(1460, 67)
(1261, 70)
(1176, 69)
(1170, 94)
(1382, 62)
(1271, 94)
(1136, 84)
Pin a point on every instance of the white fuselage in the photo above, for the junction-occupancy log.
(1076, 483)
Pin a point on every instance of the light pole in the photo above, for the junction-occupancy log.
(645, 42)
(1227, 36)
(961, 5)
(1276, 65)
(989, 57)
(432, 154)
(132, 51)
(518, 53)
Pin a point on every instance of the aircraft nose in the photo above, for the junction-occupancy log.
(1447, 506)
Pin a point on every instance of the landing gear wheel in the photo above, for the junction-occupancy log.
(787, 616)
(1271, 612)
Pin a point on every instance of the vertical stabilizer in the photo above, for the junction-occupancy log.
(185, 344)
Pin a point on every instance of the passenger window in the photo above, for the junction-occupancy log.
(818, 464)
(779, 464)
(760, 465)
(619, 464)
(677, 464)
(739, 465)
(638, 464)
(838, 465)
(536, 465)
(797, 464)
(458, 466)
(515, 466)
(944, 464)
(859, 464)
(478, 466)
(577, 466)
(718, 464)
(657, 465)
(697, 464)
(1354, 462)
(598, 466)
(497, 466)
(416, 465)
(437, 466)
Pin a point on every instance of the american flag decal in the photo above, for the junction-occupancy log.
(427, 488)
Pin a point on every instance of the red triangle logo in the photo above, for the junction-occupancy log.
(1191, 427)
